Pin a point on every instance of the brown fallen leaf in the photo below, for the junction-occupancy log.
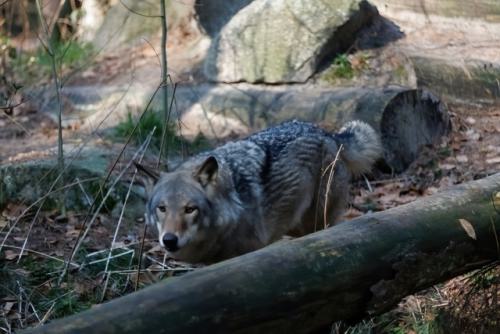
(8, 306)
(493, 161)
(10, 255)
(469, 229)
(496, 199)
(352, 213)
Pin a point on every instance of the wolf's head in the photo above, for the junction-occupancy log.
(181, 205)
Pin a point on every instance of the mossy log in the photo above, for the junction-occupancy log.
(464, 79)
(346, 272)
(485, 10)
(406, 118)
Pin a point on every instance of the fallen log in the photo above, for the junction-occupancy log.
(460, 57)
(472, 80)
(346, 272)
(485, 10)
(407, 119)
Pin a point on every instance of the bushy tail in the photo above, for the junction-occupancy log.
(362, 146)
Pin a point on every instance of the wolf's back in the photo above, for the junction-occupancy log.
(361, 146)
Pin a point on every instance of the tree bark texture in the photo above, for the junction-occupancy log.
(472, 80)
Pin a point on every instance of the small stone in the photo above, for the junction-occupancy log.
(472, 135)
(447, 166)
(471, 121)
(493, 161)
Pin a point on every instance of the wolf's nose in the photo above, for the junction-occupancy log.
(170, 242)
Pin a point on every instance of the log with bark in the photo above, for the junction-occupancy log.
(406, 118)
(472, 80)
(459, 58)
(485, 10)
(346, 272)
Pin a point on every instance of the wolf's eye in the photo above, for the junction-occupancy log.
(190, 209)
(162, 208)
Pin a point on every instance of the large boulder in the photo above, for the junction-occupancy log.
(214, 14)
(28, 177)
(129, 21)
(276, 41)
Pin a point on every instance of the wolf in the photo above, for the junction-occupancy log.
(291, 179)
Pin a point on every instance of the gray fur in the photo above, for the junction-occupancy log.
(265, 186)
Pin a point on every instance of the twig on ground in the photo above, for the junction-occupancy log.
(18, 124)
(35, 218)
(127, 252)
(42, 254)
(140, 256)
(108, 175)
(331, 166)
(41, 201)
(105, 197)
(87, 197)
(129, 190)
(47, 314)
(368, 185)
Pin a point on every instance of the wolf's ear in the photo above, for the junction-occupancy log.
(147, 177)
(207, 173)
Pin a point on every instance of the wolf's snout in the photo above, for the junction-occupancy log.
(170, 242)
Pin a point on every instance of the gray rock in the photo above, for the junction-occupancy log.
(124, 26)
(121, 26)
(276, 41)
(31, 179)
(214, 14)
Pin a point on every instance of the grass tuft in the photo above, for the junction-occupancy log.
(151, 120)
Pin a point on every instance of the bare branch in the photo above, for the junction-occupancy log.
(4, 3)
(50, 51)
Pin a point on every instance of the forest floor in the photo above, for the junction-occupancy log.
(30, 292)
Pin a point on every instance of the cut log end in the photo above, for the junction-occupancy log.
(410, 121)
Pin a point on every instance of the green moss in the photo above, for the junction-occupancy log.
(444, 152)
(29, 181)
(400, 72)
(340, 69)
